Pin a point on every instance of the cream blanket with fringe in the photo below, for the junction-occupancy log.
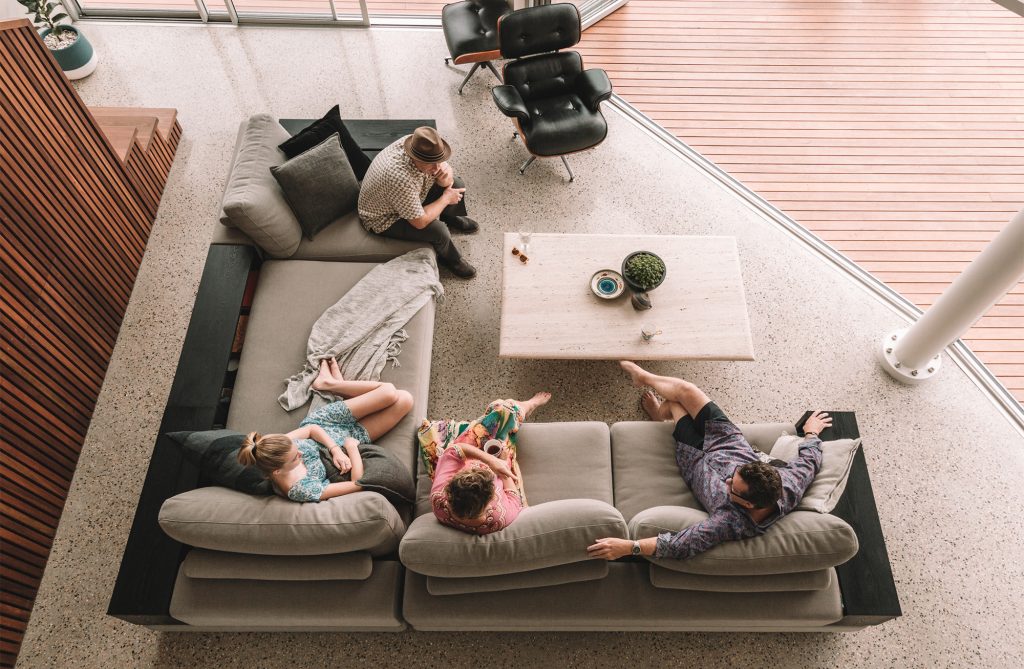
(365, 328)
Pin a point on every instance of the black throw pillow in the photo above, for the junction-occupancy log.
(382, 473)
(320, 130)
(215, 452)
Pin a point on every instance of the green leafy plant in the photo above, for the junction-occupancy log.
(45, 16)
(645, 270)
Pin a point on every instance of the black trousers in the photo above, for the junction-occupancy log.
(437, 232)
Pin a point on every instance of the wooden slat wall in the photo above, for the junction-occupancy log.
(74, 231)
(893, 130)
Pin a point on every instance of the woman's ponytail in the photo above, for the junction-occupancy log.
(246, 455)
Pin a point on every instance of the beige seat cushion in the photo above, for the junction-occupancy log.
(347, 240)
(290, 296)
(828, 486)
(800, 541)
(797, 581)
(253, 202)
(544, 535)
(202, 563)
(577, 572)
(227, 520)
(644, 462)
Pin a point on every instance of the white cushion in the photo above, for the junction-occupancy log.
(828, 486)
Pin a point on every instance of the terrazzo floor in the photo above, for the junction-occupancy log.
(946, 466)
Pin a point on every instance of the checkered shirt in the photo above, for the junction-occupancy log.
(392, 189)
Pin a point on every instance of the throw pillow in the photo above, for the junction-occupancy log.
(320, 130)
(215, 452)
(382, 473)
(828, 486)
(319, 186)
(253, 202)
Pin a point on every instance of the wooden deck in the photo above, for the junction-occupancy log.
(895, 131)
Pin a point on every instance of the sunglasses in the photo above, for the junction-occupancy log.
(732, 491)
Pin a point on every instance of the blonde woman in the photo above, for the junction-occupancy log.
(292, 461)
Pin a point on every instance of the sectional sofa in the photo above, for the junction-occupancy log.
(206, 558)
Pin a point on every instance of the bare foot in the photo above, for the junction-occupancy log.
(335, 370)
(530, 405)
(652, 406)
(636, 374)
(324, 377)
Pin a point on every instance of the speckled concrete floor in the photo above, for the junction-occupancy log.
(946, 466)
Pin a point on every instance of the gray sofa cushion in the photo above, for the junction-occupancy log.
(644, 462)
(803, 580)
(275, 348)
(295, 606)
(319, 185)
(347, 240)
(253, 202)
(544, 535)
(800, 541)
(201, 563)
(226, 520)
(589, 570)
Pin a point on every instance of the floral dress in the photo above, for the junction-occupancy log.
(501, 421)
(337, 421)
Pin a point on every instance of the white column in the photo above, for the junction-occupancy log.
(912, 355)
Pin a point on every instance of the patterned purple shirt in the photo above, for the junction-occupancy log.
(705, 472)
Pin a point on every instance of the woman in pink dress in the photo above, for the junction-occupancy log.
(476, 485)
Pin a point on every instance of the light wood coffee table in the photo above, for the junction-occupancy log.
(549, 311)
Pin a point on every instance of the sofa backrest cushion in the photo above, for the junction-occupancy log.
(545, 535)
(202, 563)
(226, 520)
(253, 202)
(577, 572)
(800, 541)
(671, 579)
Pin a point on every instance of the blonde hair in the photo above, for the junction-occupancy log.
(268, 453)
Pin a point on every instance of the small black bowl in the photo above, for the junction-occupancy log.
(633, 286)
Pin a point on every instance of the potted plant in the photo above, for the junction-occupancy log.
(69, 47)
(643, 271)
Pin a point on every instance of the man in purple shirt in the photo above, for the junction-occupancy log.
(742, 495)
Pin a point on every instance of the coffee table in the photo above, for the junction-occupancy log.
(549, 311)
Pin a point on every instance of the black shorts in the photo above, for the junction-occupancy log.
(690, 431)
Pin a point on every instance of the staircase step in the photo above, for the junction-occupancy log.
(165, 116)
(145, 125)
(121, 138)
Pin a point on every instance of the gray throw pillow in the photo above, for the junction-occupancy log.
(215, 452)
(382, 473)
(319, 185)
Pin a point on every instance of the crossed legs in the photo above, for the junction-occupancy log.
(378, 406)
(681, 397)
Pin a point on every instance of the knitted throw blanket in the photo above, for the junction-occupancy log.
(364, 329)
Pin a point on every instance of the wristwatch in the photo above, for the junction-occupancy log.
(636, 548)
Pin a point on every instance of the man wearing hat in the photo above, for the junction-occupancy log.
(410, 192)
